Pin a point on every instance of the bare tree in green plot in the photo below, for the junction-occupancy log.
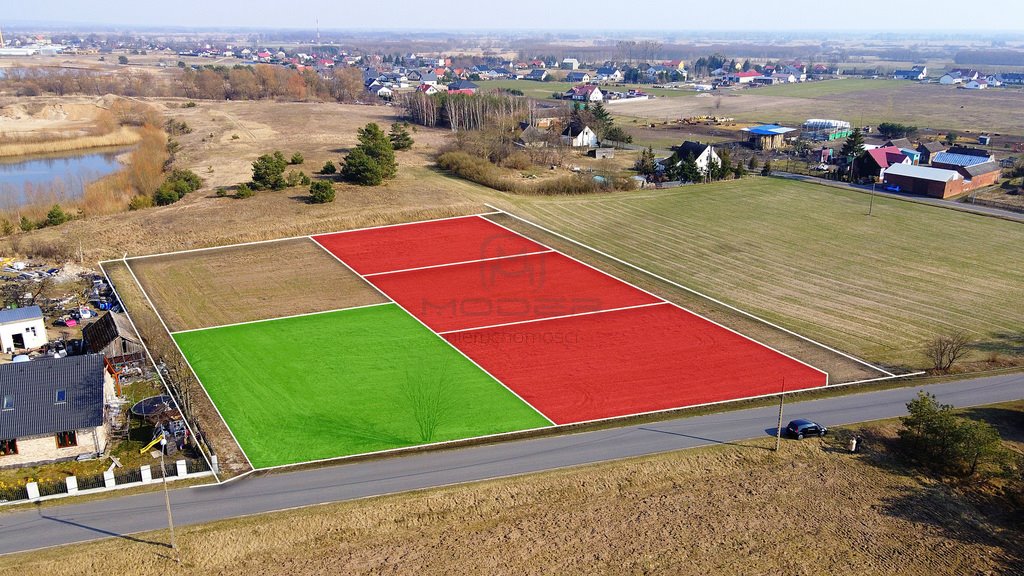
(428, 393)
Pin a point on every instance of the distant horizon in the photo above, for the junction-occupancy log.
(1000, 18)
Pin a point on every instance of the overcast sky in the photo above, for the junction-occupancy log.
(467, 15)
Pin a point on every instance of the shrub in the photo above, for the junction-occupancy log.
(122, 60)
(189, 104)
(373, 160)
(221, 192)
(297, 159)
(934, 436)
(304, 180)
(400, 138)
(26, 225)
(57, 216)
(321, 192)
(139, 202)
(293, 178)
(517, 161)
(329, 168)
(244, 191)
(7, 227)
(234, 136)
(268, 171)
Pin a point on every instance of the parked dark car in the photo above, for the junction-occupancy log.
(801, 427)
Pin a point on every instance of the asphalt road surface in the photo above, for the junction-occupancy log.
(117, 516)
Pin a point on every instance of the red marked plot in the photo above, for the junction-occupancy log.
(629, 361)
(508, 290)
(391, 248)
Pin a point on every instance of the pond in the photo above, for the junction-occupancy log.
(57, 178)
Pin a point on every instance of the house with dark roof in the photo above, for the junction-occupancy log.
(915, 73)
(531, 136)
(980, 175)
(537, 75)
(579, 136)
(22, 329)
(930, 149)
(608, 74)
(113, 336)
(703, 154)
(961, 156)
(462, 87)
(53, 409)
(577, 77)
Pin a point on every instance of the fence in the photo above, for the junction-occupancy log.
(118, 478)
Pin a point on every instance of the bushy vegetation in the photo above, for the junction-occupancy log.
(268, 171)
(482, 171)
(933, 436)
(329, 168)
(400, 137)
(894, 130)
(296, 159)
(321, 192)
(372, 161)
(179, 183)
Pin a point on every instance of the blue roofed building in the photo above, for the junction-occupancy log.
(768, 136)
(22, 329)
(961, 157)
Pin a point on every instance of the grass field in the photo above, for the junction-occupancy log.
(809, 258)
(542, 90)
(821, 88)
(344, 383)
(244, 283)
(732, 510)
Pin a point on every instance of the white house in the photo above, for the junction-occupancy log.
(22, 329)
(979, 84)
(569, 64)
(950, 79)
(609, 74)
(577, 77)
(578, 137)
(702, 154)
(587, 93)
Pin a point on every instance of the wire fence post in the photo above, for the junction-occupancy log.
(778, 429)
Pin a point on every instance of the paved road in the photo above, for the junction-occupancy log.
(879, 191)
(70, 523)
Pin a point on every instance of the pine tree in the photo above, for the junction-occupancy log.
(373, 160)
(645, 163)
(400, 137)
(689, 171)
(854, 145)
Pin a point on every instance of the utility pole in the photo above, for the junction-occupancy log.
(778, 429)
(167, 495)
(871, 201)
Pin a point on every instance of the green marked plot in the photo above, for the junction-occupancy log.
(344, 383)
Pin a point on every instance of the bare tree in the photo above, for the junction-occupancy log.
(945, 350)
(429, 398)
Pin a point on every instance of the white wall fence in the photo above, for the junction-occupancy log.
(110, 480)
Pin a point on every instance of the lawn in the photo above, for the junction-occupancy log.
(345, 383)
(809, 258)
(821, 88)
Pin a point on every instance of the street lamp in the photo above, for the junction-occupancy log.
(167, 494)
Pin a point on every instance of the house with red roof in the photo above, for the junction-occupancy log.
(585, 93)
(743, 77)
(878, 160)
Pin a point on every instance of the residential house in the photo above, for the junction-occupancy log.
(537, 74)
(585, 93)
(429, 77)
(53, 409)
(22, 329)
(979, 84)
(577, 77)
(429, 89)
(979, 175)
(608, 74)
(380, 91)
(678, 65)
(462, 87)
(797, 71)
(930, 149)
(743, 77)
(934, 182)
(994, 80)
(915, 73)
(958, 76)
(961, 157)
(531, 136)
(579, 137)
(876, 161)
(569, 64)
(703, 154)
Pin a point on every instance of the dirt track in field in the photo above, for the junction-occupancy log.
(245, 283)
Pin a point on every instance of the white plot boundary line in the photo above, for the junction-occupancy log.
(688, 289)
(187, 363)
(156, 368)
(546, 318)
(432, 331)
(478, 260)
(300, 237)
(282, 317)
(740, 334)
